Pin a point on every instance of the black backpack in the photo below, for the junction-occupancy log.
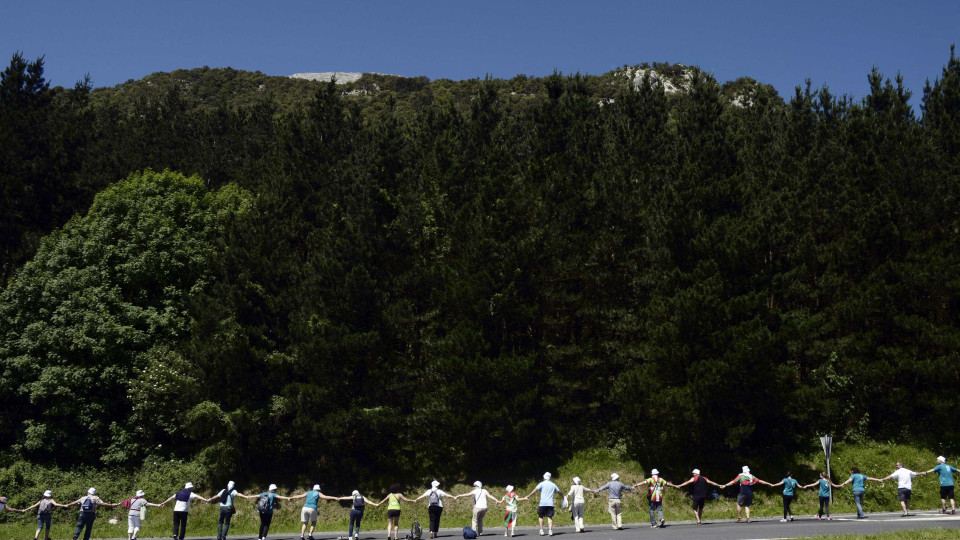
(358, 502)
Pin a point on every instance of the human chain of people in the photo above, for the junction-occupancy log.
(574, 499)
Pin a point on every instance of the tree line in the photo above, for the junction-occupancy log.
(428, 281)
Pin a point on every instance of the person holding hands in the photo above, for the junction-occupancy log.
(88, 513)
(859, 488)
(480, 497)
(746, 481)
(698, 492)
(44, 508)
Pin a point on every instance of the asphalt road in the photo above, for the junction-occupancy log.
(719, 529)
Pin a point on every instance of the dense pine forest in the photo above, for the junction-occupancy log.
(399, 278)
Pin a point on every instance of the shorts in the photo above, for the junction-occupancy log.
(745, 500)
(698, 504)
(903, 494)
(43, 520)
(545, 511)
(393, 514)
(308, 515)
(946, 492)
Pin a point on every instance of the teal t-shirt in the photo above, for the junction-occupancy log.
(946, 474)
(313, 497)
(824, 488)
(859, 482)
(789, 484)
(272, 497)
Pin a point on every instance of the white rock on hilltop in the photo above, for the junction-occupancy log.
(343, 77)
(668, 86)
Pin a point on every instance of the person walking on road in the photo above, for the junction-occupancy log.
(698, 492)
(88, 513)
(227, 496)
(546, 508)
(480, 497)
(44, 508)
(577, 504)
(946, 484)
(510, 500)
(655, 487)
(393, 510)
(182, 508)
(746, 481)
(824, 483)
(904, 478)
(434, 497)
(359, 504)
(789, 493)
(136, 513)
(859, 482)
(266, 502)
(615, 489)
(308, 514)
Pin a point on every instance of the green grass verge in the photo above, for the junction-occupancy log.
(926, 534)
(24, 483)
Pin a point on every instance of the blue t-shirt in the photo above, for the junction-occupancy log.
(859, 482)
(272, 497)
(227, 500)
(789, 484)
(313, 497)
(824, 488)
(946, 474)
(547, 490)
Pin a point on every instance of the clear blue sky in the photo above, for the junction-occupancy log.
(780, 43)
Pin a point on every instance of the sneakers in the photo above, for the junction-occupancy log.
(653, 525)
(663, 523)
(943, 510)
(541, 532)
(784, 520)
(504, 533)
(791, 518)
(828, 518)
(738, 520)
(550, 532)
(748, 520)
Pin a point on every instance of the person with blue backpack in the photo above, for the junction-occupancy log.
(88, 513)
(359, 504)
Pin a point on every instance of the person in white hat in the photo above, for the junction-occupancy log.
(578, 504)
(309, 511)
(44, 508)
(745, 497)
(510, 500)
(265, 504)
(181, 509)
(356, 512)
(615, 490)
(480, 497)
(546, 509)
(137, 510)
(655, 488)
(88, 513)
(698, 492)
(946, 484)
(434, 497)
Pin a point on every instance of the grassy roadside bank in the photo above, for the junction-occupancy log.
(593, 467)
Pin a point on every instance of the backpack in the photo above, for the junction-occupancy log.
(126, 503)
(263, 504)
(88, 505)
(415, 531)
(434, 498)
(358, 502)
(469, 533)
(46, 506)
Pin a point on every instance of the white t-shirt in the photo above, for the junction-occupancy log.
(479, 497)
(904, 478)
(184, 506)
(577, 491)
(441, 494)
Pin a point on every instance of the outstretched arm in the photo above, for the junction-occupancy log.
(242, 496)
